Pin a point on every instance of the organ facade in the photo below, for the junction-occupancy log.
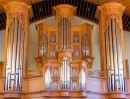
(64, 51)
(64, 56)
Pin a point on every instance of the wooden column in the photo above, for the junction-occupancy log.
(112, 44)
(16, 43)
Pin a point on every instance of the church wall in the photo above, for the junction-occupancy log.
(127, 48)
(2, 37)
(95, 42)
(32, 41)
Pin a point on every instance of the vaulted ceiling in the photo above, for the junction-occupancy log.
(85, 9)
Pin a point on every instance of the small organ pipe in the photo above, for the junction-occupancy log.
(68, 33)
(59, 38)
(69, 29)
(67, 36)
(62, 34)
(65, 75)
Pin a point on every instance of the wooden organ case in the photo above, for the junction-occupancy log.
(64, 53)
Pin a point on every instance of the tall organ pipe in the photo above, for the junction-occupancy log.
(15, 50)
(113, 47)
(65, 74)
(64, 33)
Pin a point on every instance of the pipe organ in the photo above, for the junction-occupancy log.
(15, 54)
(64, 56)
(15, 58)
(64, 51)
(114, 61)
(111, 36)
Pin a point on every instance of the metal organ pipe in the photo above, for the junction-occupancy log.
(113, 47)
(69, 34)
(66, 36)
(59, 34)
(15, 52)
(62, 46)
(9, 52)
(65, 74)
(67, 41)
(64, 33)
(15, 48)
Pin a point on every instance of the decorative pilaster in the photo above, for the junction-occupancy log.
(16, 44)
(112, 44)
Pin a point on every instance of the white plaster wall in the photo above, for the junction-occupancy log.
(2, 38)
(95, 42)
(32, 41)
(127, 48)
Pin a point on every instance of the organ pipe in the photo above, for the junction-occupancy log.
(15, 50)
(64, 34)
(43, 45)
(85, 45)
(113, 48)
(65, 74)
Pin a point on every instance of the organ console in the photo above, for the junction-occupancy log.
(64, 51)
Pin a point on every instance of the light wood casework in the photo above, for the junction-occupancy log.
(1, 69)
(112, 45)
(16, 45)
(64, 52)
